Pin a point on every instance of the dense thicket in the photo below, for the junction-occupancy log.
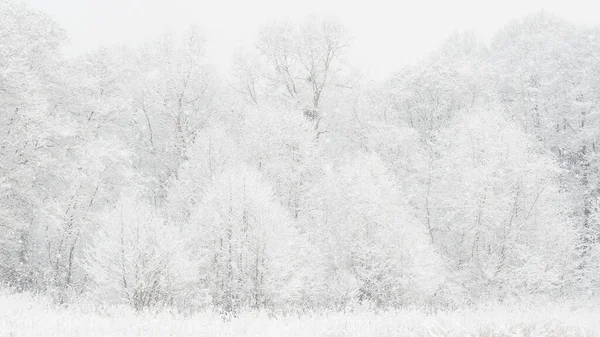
(134, 175)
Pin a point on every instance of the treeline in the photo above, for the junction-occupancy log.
(135, 175)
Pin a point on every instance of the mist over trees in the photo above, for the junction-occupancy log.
(134, 175)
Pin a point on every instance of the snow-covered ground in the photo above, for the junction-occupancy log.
(24, 315)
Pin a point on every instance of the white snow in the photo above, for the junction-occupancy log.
(26, 315)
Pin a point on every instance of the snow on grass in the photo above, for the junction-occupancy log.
(25, 315)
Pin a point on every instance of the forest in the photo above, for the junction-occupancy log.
(138, 176)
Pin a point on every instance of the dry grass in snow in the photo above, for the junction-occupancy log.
(25, 315)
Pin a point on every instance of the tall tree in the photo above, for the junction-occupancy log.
(496, 212)
(546, 80)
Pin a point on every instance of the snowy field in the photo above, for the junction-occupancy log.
(23, 315)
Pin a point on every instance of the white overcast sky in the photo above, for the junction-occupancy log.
(388, 34)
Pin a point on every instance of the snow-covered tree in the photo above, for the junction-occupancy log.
(547, 79)
(428, 95)
(280, 143)
(295, 65)
(375, 248)
(211, 153)
(137, 259)
(247, 244)
(495, 209)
